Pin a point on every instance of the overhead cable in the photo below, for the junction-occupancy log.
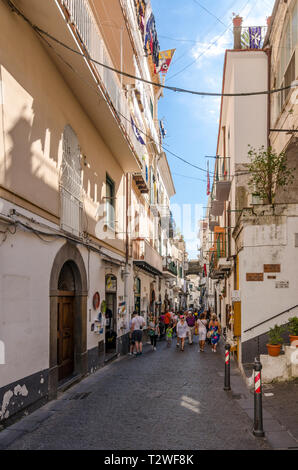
(86, 56)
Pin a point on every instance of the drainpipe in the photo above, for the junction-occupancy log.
(269, 55)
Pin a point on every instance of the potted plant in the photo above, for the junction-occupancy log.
(275, 340)
(293, 330)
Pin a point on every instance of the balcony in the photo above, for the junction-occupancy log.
(217, 208)
(169, 268)
(146, 257)
(223, 179)
(219, 265)
(98, 90)
(141, 180)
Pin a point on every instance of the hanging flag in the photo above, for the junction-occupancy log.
(255, 37)
(136, 131)
(165, 59)
(208, 179)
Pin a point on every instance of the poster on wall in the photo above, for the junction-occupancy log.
(111, 284)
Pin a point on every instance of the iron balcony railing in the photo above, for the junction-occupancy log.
(82, 19)
(171, 267)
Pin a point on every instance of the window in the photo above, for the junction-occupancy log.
(70, 183)
(110, 202)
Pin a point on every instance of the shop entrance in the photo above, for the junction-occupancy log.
(111, 313)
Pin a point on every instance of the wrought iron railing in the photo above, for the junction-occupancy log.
(82, 19)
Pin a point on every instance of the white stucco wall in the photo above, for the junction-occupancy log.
(268, 244)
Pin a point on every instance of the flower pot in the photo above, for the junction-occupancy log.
(273, 349)
(294, 338)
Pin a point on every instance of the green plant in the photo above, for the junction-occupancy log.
(275, 333)
(293, 326)
(269, 172)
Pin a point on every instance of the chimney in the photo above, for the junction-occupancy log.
(237, 21)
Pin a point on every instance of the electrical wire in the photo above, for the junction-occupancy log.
(87, 57)
(206, 50)
(210, 13)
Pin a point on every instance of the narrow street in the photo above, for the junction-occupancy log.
(161, 400)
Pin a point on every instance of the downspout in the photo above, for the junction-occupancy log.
(269, 54)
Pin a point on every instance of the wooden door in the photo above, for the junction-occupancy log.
(65, 336)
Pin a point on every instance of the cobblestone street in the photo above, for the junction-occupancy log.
(161, 400)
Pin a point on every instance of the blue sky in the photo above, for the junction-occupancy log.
(192, 122)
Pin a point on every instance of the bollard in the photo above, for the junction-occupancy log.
(258, 430)
(227, 386)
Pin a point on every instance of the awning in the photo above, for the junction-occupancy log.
(147, 268)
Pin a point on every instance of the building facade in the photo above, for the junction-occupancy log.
(84, 191)
(252, 253)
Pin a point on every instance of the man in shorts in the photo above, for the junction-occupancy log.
(131, 341)
(137, 326)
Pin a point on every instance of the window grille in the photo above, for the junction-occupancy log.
(70, 184)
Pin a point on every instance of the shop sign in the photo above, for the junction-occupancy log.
(271, 268)
(282, 285)
(254, 277)
(111, 284)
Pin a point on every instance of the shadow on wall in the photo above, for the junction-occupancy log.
(32, 159)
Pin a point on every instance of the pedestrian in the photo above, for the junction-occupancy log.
(169, 335)
(182, 331)
(137, 326)
(202, 328)
(131, 341)
(167, 319)
(191, 322)
(153, 332)
(214, 330)
(175, 321)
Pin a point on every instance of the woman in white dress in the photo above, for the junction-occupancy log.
(202, 327)
(182, 332)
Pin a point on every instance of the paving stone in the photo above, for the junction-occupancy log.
(8, 436)
(281, 440)
(164, 399)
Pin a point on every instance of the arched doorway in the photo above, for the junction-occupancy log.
(68, 317)
(65, 321)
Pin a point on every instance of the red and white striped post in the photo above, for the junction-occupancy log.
(258, 430)
(227, 386)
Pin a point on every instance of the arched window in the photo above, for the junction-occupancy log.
(70, 183)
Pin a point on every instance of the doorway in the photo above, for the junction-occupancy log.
(68, 318)
(65, 335)
(111, 313)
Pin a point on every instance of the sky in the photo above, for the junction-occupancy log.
(192, 26)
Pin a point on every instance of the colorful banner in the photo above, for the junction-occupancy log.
(208, 179)
(165, 59)
(136, 132)
(255, 37)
